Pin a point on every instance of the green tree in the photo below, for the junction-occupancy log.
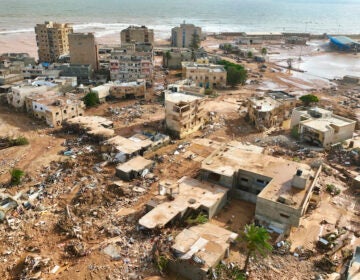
(249, 54)
(167, 57)
(263, 51)
(257, 242)
(16, 175)
(308, 99)
(91, 99)
(195, 41)
(236, 73)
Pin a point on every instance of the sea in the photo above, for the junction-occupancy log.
(107, 17)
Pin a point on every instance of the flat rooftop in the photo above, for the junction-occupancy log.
(280, 95)
(206, 242)
(128, 145)
(94, 125)
(192, 194)
(264, 104)
(176, 97)
(230, 159)
(323, 124)
(135, 164)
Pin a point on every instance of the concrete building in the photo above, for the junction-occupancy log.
(188, 86)
(132, 62)
(271, 109)
(102, 91)
(16, 98)
(10, 78)
(83, 49)
(83, 72)
(321, 127)
(199, 249)
(133, 168)
(182, 36)
(54, 108)
(205, 75)
(184, 113)
(52, 40)
(281, 189)
(23, 57)
(135, 89)
(188, 195)
(173, 58)
(137, 34)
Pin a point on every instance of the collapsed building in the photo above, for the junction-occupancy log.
(188, 195)
(97, 127)
(321, 127)
(271, 109)
(199, 249)
(184, 113)
(281, 189)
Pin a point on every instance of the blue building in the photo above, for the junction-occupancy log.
(344, 43)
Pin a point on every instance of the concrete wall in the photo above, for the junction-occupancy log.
(181, 37)
(137, 34)
(83, 49)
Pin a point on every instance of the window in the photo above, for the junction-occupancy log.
(284, 216)
(244, 180)
(64, 111)
(214, 177)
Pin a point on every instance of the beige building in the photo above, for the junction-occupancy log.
(54, 108)
(186, 86)
(132, 62)
(184, 113)
(52, 40)
(16, 98)
(128, 90)
(182, 36)
(205, 75)
(137, 34)
(271, 109)
(83, 49)
(281, 189)
(321, 127)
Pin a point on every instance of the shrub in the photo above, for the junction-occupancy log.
(19, 141)
(16, 175)
(198, 219)
(332, 189)
(91, 99)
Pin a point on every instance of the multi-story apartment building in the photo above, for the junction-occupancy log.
(83, 49)
(131, 62)
(52, 40)
(184, 113)
(182, 36)
(205, 75)
(137, 34)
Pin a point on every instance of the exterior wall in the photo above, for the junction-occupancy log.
(52, 40)
(83, 72)
(16, 98)
(181, 36)
(345, 132)
(137, 34)
(265, 119)
(205, 76)
(9, 79)
(128, 91)
(173, 59)
(83, 49)
(186, 122)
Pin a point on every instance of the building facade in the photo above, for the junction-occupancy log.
(83, 49)
(131, 62)
(182, 36)
(205, 75)
(128, 90)
(184, 113)
(52, 40)
(137, 34)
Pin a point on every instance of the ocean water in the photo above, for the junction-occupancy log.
(106, 17)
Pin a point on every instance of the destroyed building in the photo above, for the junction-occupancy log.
(134, 168)
(271, 109)
(54, 108)
(321, 127)
(184, 113)
(199, 249)
(97, 127)
(281, 189)
(188, 195)
(205, 75)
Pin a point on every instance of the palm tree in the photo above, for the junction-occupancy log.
(256, 239)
